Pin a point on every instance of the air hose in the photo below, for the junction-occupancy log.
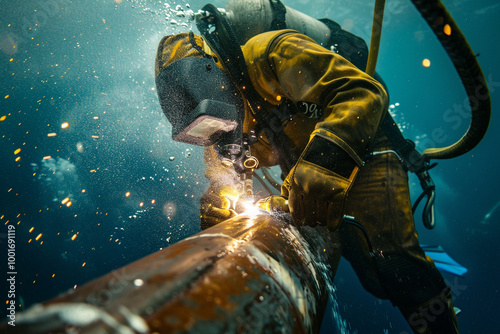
(465, 62)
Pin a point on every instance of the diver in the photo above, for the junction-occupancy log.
(295, 104)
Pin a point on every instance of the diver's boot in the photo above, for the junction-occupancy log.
(436, 316)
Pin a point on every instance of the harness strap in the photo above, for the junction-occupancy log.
(197, 47)
(279, 15)
(224, 43)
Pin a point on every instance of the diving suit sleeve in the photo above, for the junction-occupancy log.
(348, 105)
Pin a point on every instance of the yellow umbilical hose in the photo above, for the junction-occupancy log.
(378, 18)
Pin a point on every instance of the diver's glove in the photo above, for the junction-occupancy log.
(317, 186)
(216, 208)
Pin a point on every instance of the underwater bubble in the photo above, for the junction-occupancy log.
(79, 147)
(169, 209)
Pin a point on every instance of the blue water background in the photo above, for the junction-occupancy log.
(90, 63)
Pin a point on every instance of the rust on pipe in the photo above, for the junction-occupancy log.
(246, 275)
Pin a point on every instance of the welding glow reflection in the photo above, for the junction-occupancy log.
(252, 211)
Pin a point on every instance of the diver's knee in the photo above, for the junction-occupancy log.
(370, 280)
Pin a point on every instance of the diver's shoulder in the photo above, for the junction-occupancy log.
(266, 38)
(260, 44)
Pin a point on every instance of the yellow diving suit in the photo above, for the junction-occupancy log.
(335, 129)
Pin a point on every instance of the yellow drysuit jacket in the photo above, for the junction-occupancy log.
(335, 100)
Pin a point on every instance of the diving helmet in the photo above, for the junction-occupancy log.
(198, 98)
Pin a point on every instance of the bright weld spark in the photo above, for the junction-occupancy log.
(252, 211)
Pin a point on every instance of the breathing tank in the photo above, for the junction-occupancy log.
(252, 17)
(249, 18)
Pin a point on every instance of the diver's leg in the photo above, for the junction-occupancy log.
(436, 315)
(400, 271)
